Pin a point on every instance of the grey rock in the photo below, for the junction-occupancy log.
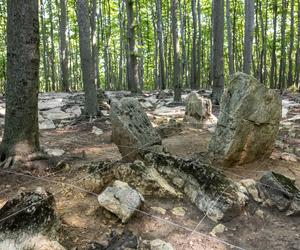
(248, 123)
(218, 229)
(281, 192)
(97, 131)
(121, 200)
(252, 189)
(132, 130)
(57, 114)
(46, 124)
(54, 151)
(160, 245)
(198, 107)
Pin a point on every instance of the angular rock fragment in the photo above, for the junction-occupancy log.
(281, 192)
(248, 123)
(158, 244)
(121, 200)
(131, 128)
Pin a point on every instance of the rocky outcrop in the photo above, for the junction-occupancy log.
(29, 222)
(279, 191)
(248, 123)
(121, 200)
(208, 188)
(131, 128)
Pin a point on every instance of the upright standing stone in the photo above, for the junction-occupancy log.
(132, 130)
(248, 123)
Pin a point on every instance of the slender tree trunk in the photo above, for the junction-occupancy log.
(176, 52)
(45, 47)
(273, 82)
(162, 79)
(21, 131)
(249, 28)
(91, 105)
(132, 53)
(297, 64)
(140, 47)
(95, 49)
(193, 80)
(229, 38)
(292, 35)
(121, 25)
(52, 52)
(282, 73)
(199, 46)
(218, 50)
(64, 55)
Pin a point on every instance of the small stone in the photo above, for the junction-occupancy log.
(97, 131)
(46, 124)
(218, 229)
(160, 245)
(250, 185)
(260, 213)
(159, 210)
(54, 152)
(178, 182)
(178, 211)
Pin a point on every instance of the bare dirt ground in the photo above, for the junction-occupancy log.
(84, 222)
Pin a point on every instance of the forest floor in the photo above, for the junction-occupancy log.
(84, 222)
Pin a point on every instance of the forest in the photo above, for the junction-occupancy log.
(149, 125)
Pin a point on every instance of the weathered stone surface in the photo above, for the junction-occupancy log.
(121, 200)
(252, 189)
(29, 222)
(131, 128)
(54, 151)
(169, 129)
(158, 244)
(97, 131)
(281, 192)
(248, 123)
(46, 124)
(198, 107)
(208, 188)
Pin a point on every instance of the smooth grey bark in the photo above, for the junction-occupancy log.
(193, 80)
(176, 52)
(291, 49)
(64, 52)
(133, 75)
(218, 51)
(121, 25)
(282, 69)
(52, 51)
(199, 45)
(95, 49)
(160, 30)
(45, 47)
(183, 16)
(297, 64)
(91, 105)
(249, 29)
(273, 80)
(21, 131)
(229, 38)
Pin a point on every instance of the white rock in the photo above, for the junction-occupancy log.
(54, 151)
(121, 200)
(46, 124)
(97, 131)
(57, 114)
(160, 245)
(218, 229)
(250, 185)
(178, 211)
(75, 110)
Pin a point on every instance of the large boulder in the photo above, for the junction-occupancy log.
(131, 128)
(121, 200)
(248, 123)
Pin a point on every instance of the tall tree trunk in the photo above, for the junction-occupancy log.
(21, 131)
(229, 38)
(45, 47)
(291, 49)
(218, 50)
(162, 79)
(132, 53)
(297, 64)
(121, 25)
(140, 47)
(282, 73)
(176, 52)
(273, 82)
(91, 105)
(95, 49)
(52, 52)
(64, 47)
(249, 28)
(193, 80)
(199, 46)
